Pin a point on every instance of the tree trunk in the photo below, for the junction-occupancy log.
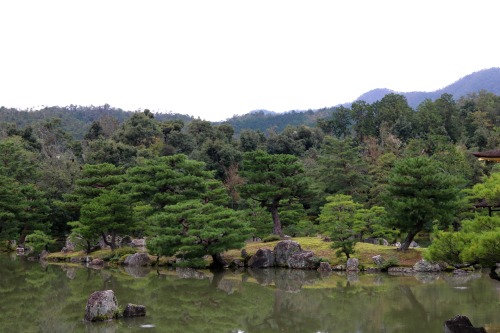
(105, 240)
(113, 240)
(218, 261)
(276, 222)
(409, 238)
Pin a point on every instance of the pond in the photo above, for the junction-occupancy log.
(38, 297)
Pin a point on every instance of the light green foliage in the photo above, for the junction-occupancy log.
(39, 241)
(420, 195)
(484, 248)
(448, 246)
(339, 219)
(477, 242)
(489, 190)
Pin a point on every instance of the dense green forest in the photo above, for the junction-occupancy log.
(195, 188)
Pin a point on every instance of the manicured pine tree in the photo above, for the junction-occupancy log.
(273, 181)
(420, 195)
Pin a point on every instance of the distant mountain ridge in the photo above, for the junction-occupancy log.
(486, 79)
(77, 119)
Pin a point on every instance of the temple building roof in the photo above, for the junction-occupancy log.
(489, 155)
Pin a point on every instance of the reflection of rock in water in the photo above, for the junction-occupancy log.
(102, 327)
(229, 286)
(54, 324)
(352, 276)
(427, 277)
(460, 280)
(264, 277)
(400, 271)
(189, 273)
(289, 280)
(137, 271)
(378, 279)
(70, 272)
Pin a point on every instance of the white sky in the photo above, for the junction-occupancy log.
(215, 59)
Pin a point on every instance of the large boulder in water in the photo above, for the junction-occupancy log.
(102, 305)
(263, 258)
(137, 259)
(461, 324)
(284, 250)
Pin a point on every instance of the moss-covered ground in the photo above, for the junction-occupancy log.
(363, 251)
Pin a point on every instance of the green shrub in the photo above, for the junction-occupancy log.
(119, 254)
(391, 262)
(271, 238)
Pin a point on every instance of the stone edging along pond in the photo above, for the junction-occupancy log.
(285, 254)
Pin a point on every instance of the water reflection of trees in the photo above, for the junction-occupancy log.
(249, 301)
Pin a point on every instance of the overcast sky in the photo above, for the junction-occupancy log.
(214, 59)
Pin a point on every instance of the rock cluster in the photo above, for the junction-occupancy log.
(137, 259)
(103, 306)
(286, 254)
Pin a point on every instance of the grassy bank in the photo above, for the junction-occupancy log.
(363, 251)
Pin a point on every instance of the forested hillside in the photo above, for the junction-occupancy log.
(194, 188)
(487, 80)
(77, 119)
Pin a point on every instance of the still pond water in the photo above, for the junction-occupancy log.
(52, 298)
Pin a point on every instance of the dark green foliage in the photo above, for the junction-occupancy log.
(192, 229)
(175, 139)
(11, 206)
(341, 170)
(119, 254)
(109, 213)
(110, 151)
(273, 181)
(420, 195)
(140, 130)
(252, 140)
(166, 180)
